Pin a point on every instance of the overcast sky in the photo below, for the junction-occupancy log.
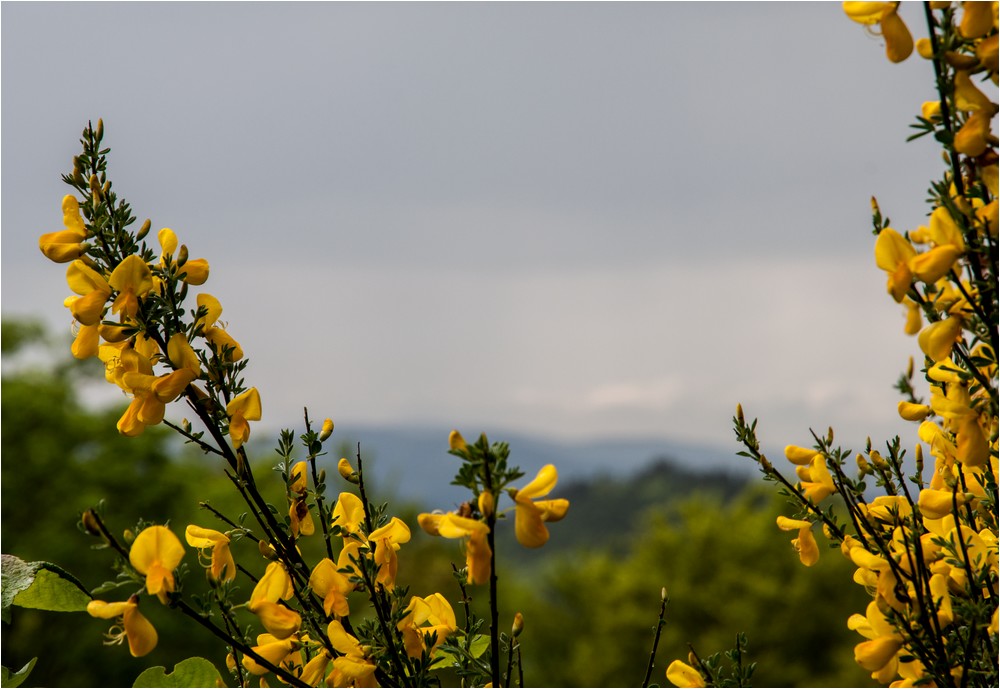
(579, 220)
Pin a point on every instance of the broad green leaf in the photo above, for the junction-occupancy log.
(193, 672)
(9, 679)
(40, 585)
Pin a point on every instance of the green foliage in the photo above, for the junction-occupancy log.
(40, 585)
(193, 672)
(16, 679)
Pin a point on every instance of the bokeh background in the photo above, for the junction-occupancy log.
(586, 225)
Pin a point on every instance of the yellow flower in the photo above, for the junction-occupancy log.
(242, 409)
(216, 334)
(182, 355)
(817, 483)
(913, 412)
(134, 626)
(898, 41)
(353, 667)
(194, 271)
(977, 19)
(150, 397)
(346, 471)
(93, 289)
(477, 548)
(680, 674)
(387, 540)
(67, 244)
(156, 552)
(937, 339)
(301, 520)
(327, 430)
(277, 619)
(331, 585)
(133, 280)
(222, 565)
(799, 455)
(271, 649)
(805, 544)
(430, 615)
(530, 515)
(349, 512)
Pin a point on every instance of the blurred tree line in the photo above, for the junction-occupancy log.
(589, 598)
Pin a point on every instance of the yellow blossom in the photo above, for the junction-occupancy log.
(937, 339)
(332, 586)
(216, 334)
(66, 245)
(530, 514)
(817, 483)
(353, 667)
(156, 552)
(898, 40)
(272, 649)
(194, 271)
(242, 409)
(431, 615)
(387, 540)
(277, 619)
(680, 674)
(222, 566)
(477, 549)
(349, 512)
(134, 627)
(133, 280)
(913, 412)
(805, 544)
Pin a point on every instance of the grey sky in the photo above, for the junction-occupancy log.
(574, 219)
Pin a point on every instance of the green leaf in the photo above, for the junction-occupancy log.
(16, 679)
(40, 585)
(193, 672)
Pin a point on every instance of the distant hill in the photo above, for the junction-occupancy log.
(413, 463)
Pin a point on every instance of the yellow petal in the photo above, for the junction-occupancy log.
(182, 355)
(806, 547)
(875, 654)
(867, 13)
(132, 275)
(679, 673)
(168, 241)
(541, 485)
(898, 41)
(273, 586)
(396, 531)
(61, 247)
(528, 525)
(932, 265)
(786, 524)
(195, 271)
(913, 412)
(937, 339)
(349, 512)
(212, 307)
(107, 611)
(891, 249)
(246, 404)
(200, 537)
(799, 455)
(977, 19)
(140, 632)
(156, 545)
(278, 620)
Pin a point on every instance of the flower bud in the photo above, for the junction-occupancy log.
(456, 442)
(106, 188)
(346, 471)
(90, 523)
(182, 255)
(663, 594)
(518, 626)
(739, 413)
(267, 551)
(327, 430)
(144, 230)
(95, 188)
(863, 466)
(486, 504)
(128, 535)
(766, 465)
(924, 48)
(99, 134)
